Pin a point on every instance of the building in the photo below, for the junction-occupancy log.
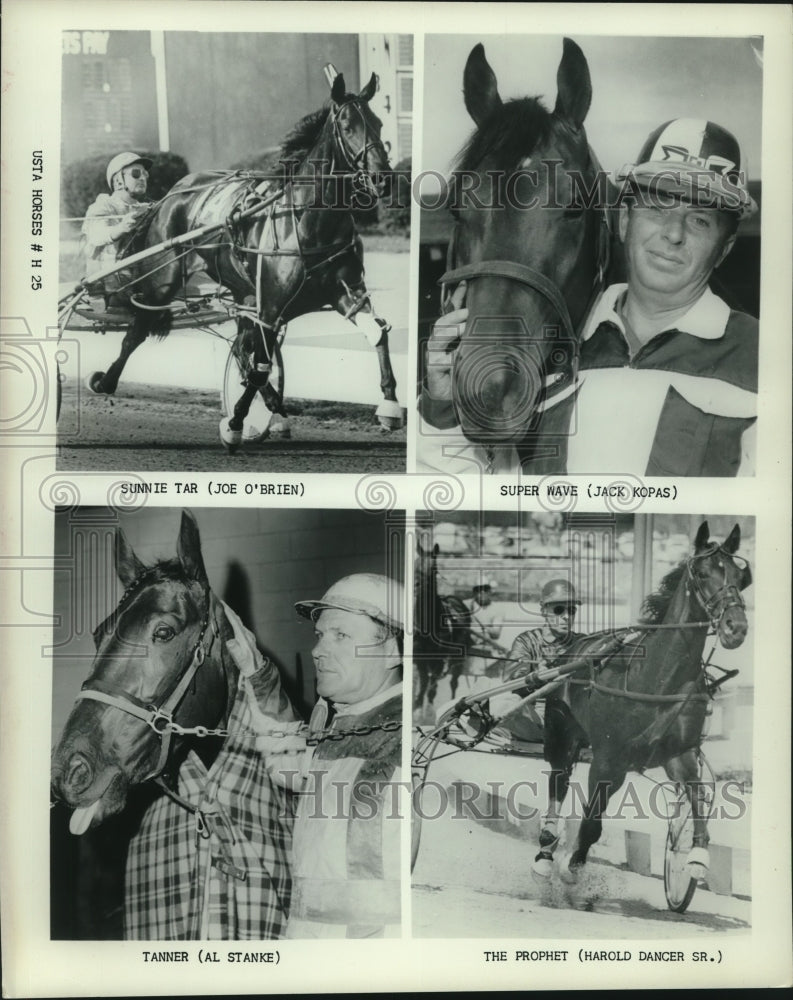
(216, 97)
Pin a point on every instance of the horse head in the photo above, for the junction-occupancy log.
(355, 130)
(529, 241)
(160, 665)
(716, 577)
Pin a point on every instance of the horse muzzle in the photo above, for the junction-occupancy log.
(733, 628)
(496, 390)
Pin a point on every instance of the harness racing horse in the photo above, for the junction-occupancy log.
(165, 701)
(442, 631)
(532, 247)
(645, 706)
(287, 246)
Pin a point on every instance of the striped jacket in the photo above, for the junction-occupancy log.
(684, 405)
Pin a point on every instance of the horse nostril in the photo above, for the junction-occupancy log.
(79, 775)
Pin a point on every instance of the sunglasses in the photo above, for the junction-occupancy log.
(559, 609)
(137, 172)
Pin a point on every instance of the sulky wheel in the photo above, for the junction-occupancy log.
(256, 425)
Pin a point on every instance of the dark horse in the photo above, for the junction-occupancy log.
(287, 245)
(441, 630)
(164, 683)
(645, 706)
(531, 246)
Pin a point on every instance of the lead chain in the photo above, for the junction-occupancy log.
(312, 738)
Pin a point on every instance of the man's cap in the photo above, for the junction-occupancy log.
(697, 160)
(379, 597)
(479, 587)
(122, 160)
(559, 592)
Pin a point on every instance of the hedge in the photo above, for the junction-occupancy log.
(83, 180)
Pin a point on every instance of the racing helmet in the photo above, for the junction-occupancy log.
(379, 597)
(697, 160)
(559, 592)
(122, 160)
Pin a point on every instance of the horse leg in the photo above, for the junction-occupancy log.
(563, 741)
(684, 770)
(106, 383)
(262, 346)
(605, 778)
(434, 671)
(354, 303)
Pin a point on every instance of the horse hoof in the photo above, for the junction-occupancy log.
(572, 872)
(94, 384)
(280, 428)
(542, 867)
(389, 415)
(230, 439)
(697, 863)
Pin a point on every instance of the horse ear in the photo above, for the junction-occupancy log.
(480, 87)
(370, 89)
(733, 541)
(573, 85)
(339, 89)
(128, 566)
(702, 537)
(188, 548)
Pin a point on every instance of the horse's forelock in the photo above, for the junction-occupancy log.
(168, 571)
(511, 133)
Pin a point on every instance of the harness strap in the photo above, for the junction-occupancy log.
(515, 272)
(654, 698)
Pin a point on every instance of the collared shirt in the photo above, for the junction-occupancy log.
(683, 405)
(100, 219)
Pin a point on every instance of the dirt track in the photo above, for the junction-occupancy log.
(153, 428)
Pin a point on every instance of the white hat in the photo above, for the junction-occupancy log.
(124, 160)
(379, 597)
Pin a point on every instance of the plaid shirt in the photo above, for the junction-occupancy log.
(223, 872)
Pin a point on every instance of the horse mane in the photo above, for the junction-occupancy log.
(655, 605)
(303, 137)
(510, 134)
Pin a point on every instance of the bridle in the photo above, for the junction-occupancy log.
(158, 717)
(531, 277)
(352, 161)
(727, 596)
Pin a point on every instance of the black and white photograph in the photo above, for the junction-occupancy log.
(395, 407)
(590, 258)
(235, 223)
(226, 725)
(582, 742)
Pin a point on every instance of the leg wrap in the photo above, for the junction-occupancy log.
(369, 327)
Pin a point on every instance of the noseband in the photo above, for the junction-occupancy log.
(727, 596)
(157, 717)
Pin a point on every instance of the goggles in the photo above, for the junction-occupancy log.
(557, 610)
(136, 172)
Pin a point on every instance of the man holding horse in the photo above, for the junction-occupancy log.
(113, 216)
(667, 371)
(346, 767)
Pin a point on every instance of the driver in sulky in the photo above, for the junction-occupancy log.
(113, 216)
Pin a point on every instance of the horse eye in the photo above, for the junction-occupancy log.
(164, 633)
